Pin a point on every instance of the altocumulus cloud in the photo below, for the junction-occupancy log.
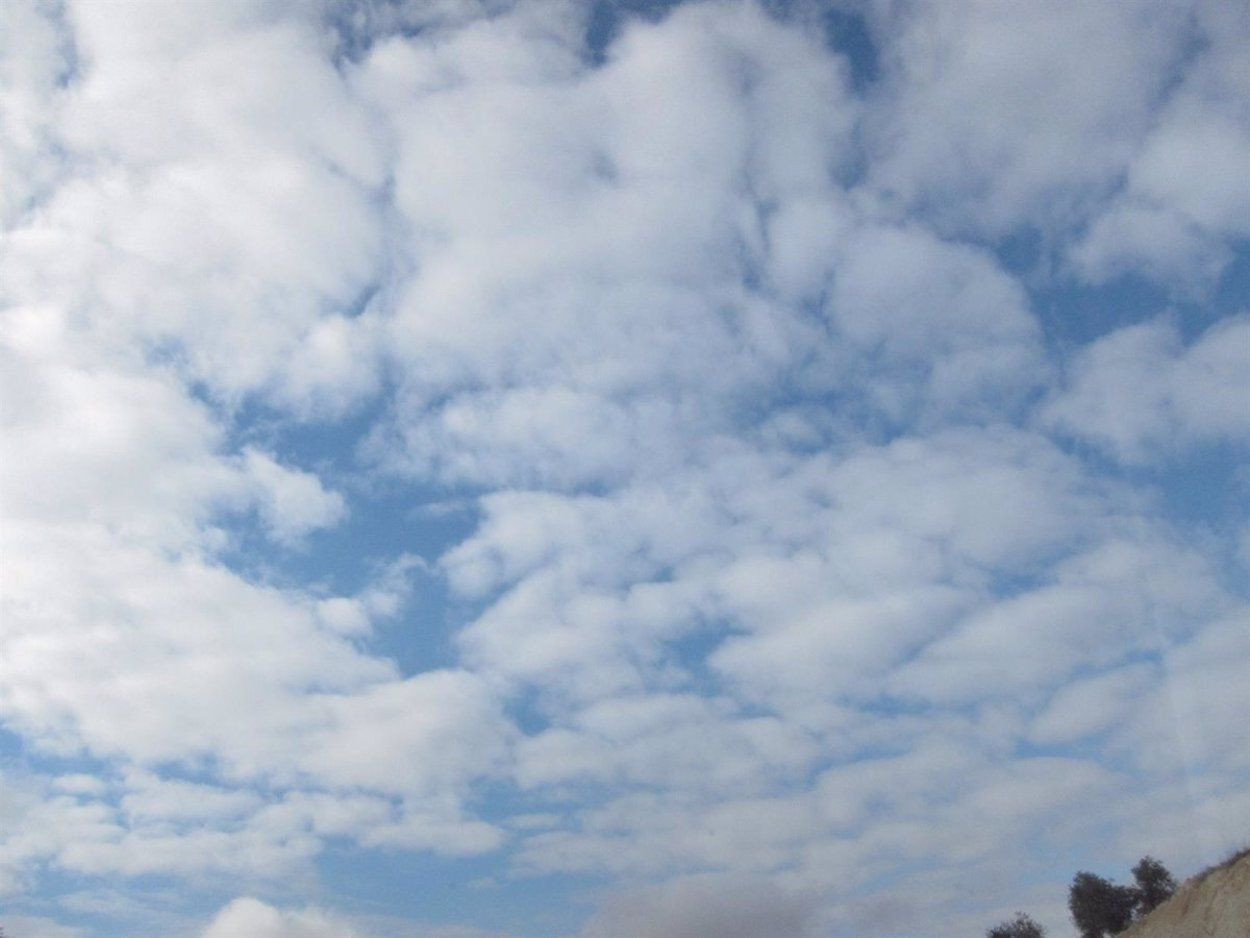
(488, 467)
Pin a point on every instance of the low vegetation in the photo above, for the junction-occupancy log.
(1101, 908)
(1019, 927)
(1224, 864)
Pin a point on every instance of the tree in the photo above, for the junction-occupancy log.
(1155, 884)
(1099, 907)
(1020, 927)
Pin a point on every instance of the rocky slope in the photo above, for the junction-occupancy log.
(1215, 904)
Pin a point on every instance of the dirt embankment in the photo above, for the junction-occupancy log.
(1211, 905)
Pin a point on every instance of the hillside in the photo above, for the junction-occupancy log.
(1215, 904)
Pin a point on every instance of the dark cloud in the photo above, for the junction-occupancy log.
(727, 907)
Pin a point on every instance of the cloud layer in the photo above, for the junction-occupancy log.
(777, 472)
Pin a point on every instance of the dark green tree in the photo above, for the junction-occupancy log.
(1019, 927)
(1099, 907)
(1155, 884)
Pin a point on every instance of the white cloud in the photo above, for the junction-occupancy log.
(992, 116)
(578, 323)
(906, 301)
(251, 918)
(29, 926)
(677, 741)
(1141, 391)
(775, 573)
(292, 502)
(1093, 705)
(33, 58)
(247, 917)
(198, 208)
(1099, 607)
(1185, 196)
(833, 569)
(207, 235)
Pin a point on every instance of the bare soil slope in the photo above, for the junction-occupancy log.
(1215, 904)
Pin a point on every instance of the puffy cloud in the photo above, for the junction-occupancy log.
(679, 741)
(207, 238)
(831, 570)
(197, 208)
(1186, 195)
(904, 300)
(780, 569)
(1141, 391)
(990, 116)
(35, 56)
(1117, 600)
(247, 917)
(292, 502)
(251, 918)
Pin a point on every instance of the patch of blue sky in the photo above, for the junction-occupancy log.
(846, 32)
(29, 756)
(1232, 292)
(387, 519)
(1199, 484)
(12, 745)
(607, 17)
(147, 905)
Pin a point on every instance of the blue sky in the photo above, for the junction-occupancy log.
(500, 469)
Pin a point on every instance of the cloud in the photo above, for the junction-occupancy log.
(729, 907)
(293, 502)
(1141, 391)
(800, 573)
(192, 201)
(991, 117)
(41, 927)
(579, 322)
(155, 284)
(251, 918)
(34, 55)
(1104, 605)
(1185, 194)
(904, 300)
(247, 917)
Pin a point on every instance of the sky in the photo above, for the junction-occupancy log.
(618, 469)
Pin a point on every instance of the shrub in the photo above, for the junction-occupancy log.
(1155, 884)
(1020, 927)
(1099, 907)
